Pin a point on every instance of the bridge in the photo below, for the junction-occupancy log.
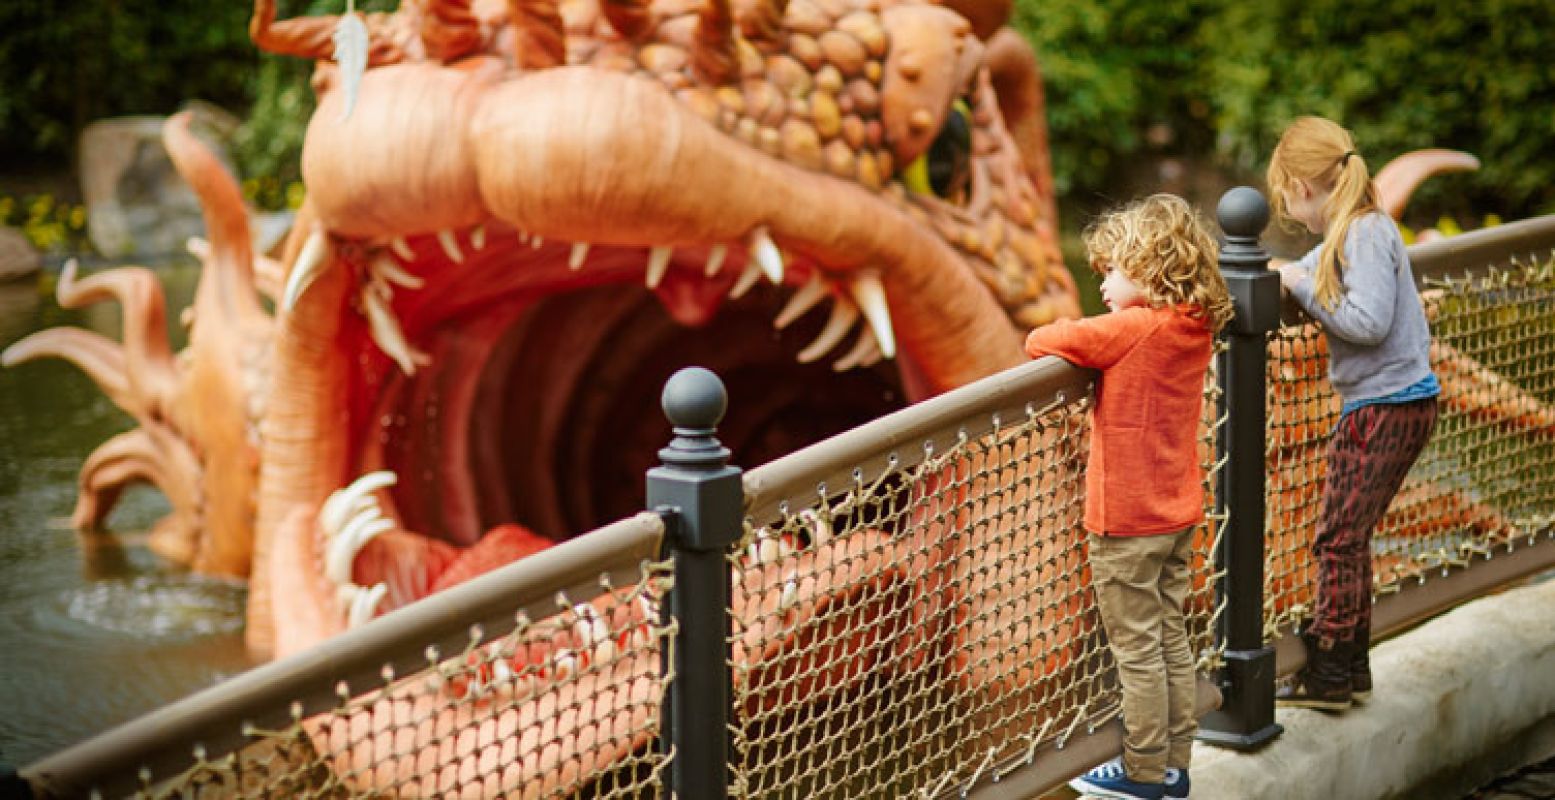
(903, 610)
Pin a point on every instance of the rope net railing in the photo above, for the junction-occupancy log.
(558, 698)
(926, 622)
(1485, 483)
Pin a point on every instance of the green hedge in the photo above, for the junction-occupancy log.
(1401, 75)
(1226, 77)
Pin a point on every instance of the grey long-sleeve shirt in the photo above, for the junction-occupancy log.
(1378, 340)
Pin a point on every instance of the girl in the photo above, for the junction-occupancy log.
(1358, 287)
(1144, 481)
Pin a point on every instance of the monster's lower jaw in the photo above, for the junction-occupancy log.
(499, 378)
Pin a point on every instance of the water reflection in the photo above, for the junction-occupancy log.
(95, 629)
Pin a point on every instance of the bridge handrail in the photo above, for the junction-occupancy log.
(1450, 256)
(273, 695)
(969, 410)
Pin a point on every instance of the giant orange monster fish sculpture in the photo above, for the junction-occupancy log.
(521, 217)
(531, 215)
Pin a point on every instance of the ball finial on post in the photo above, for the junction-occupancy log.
(694, 401)
(1243, 213)
(694, 398)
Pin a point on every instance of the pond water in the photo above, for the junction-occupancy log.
(91, 635)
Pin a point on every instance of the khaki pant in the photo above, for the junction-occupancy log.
(1141, 583)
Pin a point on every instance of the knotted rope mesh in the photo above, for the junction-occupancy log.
(1485, 481)
(563, 705)
(931, 626)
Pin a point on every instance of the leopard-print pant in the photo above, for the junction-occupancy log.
(1370, 453)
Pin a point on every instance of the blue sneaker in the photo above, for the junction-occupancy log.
(1109, 780)
(1177, 783)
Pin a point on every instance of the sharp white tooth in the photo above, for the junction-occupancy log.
(366, 604)
(566, 664)
(500, 671)
(767, 254)
(478, 237)
(589, 628)
(401, 249)
(604, 652)
(802, 301)
(790, 594)
(768, 550)
(580, 251)
(843, 315)
(820, 529)
(363, 528)
(387, 334)
(747, 279)
(870, 295)
(345, 595)
(865, 348)
(715, 259)
(450, 246)
(658, 264)
(391, 271)
(311, 261)
(536, 241)
(353, 498)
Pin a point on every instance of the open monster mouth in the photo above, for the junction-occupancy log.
(535, 398)
(517, 382)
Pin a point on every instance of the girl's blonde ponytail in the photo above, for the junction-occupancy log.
(1322, 154)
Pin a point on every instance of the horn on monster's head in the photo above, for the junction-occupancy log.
(542, 41)
(629, 17)
(713, 56)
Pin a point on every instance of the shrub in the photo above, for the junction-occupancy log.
(1401, 75)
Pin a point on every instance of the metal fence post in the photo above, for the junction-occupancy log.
(1245, 719)
(702, 498)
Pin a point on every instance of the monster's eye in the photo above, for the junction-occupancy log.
(947, 165)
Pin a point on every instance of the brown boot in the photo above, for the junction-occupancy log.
(1324, 683)
(1360, 664)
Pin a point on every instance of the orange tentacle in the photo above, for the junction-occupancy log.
(149, 371)
(101, 358)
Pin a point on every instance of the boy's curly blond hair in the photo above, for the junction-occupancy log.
(1164, 247)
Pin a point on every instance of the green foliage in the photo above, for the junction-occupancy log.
(1113, 69)
(1401, 75)
(1228, 76)
(51, 226)
(63, 65)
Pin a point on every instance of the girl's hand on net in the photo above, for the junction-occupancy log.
(1290, 274)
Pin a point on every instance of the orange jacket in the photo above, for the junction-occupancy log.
(1144, 475)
